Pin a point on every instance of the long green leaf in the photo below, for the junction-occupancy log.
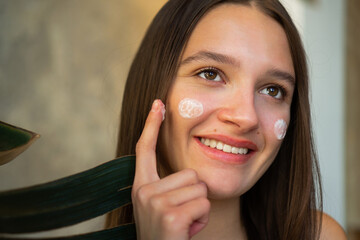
(13, 141)
(125, 232)
(69, 200)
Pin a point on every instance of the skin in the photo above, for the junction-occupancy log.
(331, 230)
(235, 106)
(200, 200)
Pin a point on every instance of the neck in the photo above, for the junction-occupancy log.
(224, 221)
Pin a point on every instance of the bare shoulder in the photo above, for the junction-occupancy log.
(331, 229)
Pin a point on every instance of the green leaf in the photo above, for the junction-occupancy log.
(14, 141)
(124, 232)
(69, 200)
(66, 201)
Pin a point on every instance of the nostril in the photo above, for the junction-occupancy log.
(245, 118)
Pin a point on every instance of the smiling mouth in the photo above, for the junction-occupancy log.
(223, 147)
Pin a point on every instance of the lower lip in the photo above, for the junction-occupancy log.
(223, 156)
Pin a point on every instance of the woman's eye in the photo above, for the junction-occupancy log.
(275, 92)
(211, 75)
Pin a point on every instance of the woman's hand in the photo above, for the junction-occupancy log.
(175, 207)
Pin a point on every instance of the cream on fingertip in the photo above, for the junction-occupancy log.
(158, 106)
(163, 111)
(155, 106)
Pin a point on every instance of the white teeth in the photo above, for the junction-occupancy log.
(227, 148)
(235, 150)
(219, 146)
(213, 143)
(224, 147)
(243, 151)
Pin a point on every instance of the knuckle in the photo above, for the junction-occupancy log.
(143, 147)
(142, 195)
(203, 189)
(140, 146)
(133, 192)
(205, 203)
(192, 174)
(169, 218)
(174, 221)
(157, 202)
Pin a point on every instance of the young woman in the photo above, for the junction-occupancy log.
(232, 157)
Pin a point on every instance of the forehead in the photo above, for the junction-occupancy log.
(241, 32)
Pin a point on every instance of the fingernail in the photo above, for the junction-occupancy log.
(159, 106)
(156, 105)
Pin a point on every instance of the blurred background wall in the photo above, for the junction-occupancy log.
(322, 26)
(352, 149)
(63, 64)
(62, 70)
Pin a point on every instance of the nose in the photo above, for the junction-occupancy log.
(239, 110)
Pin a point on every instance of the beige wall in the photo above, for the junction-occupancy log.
(62, 69)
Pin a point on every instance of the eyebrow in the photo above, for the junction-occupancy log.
(225, 59)
(206, 55)
(279, 74)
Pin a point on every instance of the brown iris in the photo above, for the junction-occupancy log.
(272, 91)
(210, 75)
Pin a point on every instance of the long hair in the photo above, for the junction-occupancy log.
(286, 202)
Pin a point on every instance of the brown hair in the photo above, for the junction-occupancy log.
(283, 204)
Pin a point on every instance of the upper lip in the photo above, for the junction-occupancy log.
(235, 142)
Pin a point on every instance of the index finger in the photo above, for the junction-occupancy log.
(145, 170)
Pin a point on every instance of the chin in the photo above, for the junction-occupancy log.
(224, 185)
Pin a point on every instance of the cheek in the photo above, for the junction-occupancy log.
(190, 108)
(275, 124)
(280, 127)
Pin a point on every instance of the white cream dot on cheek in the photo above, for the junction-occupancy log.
(190, 108)
(280, 127)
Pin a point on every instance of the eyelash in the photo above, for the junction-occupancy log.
(219, 73)
(281, 89)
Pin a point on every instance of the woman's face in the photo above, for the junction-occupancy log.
(229, 105)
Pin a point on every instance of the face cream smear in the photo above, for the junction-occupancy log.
(280, 127)
(190, 108)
